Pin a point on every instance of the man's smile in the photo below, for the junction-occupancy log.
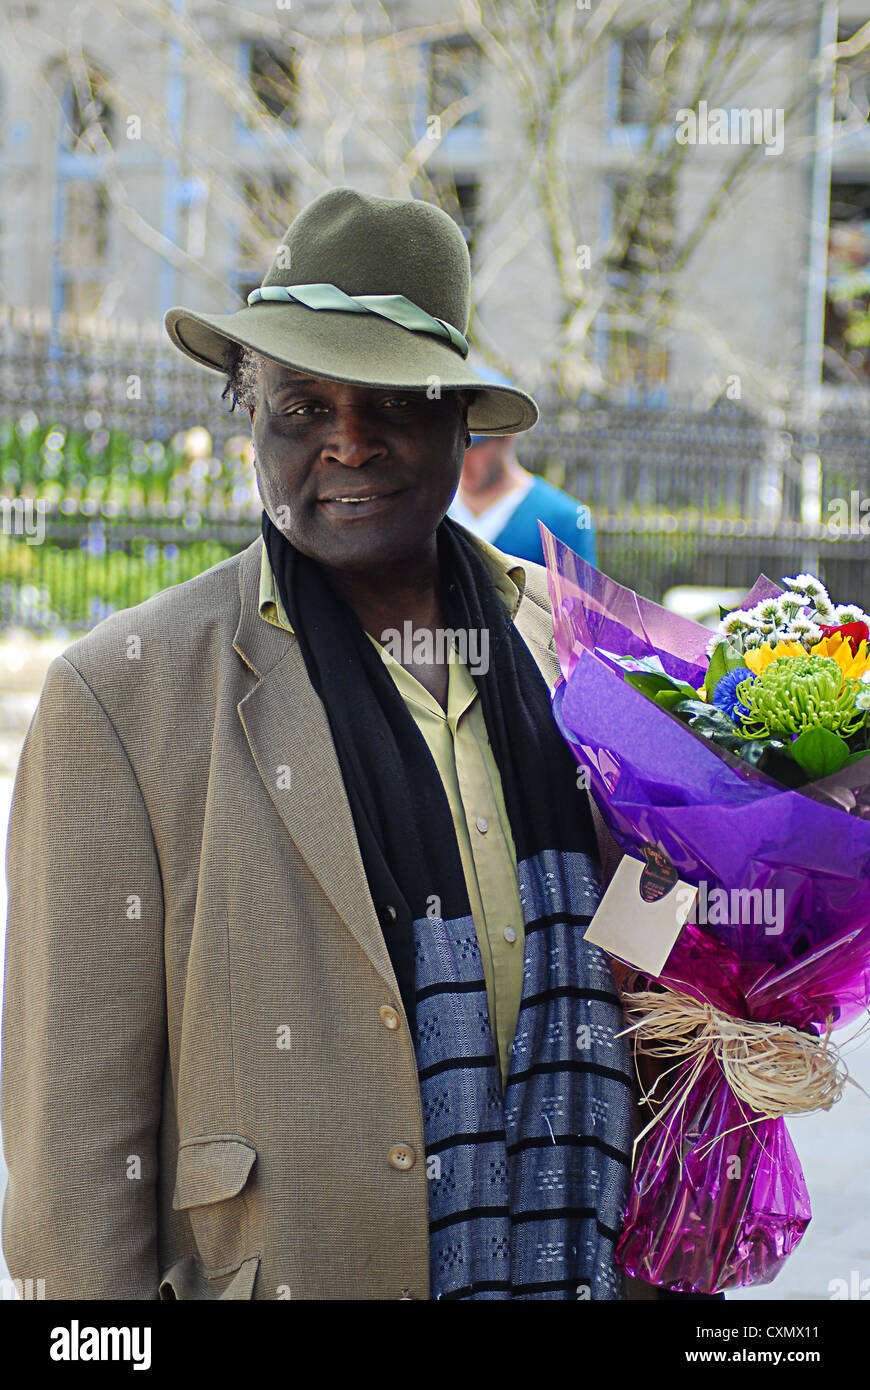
(348, 504)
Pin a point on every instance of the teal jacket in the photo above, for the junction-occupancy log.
(567, 518)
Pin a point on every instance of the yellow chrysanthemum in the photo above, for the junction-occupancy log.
(852, 664)
(757, 659)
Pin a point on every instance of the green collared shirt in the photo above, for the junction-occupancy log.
(458, 741)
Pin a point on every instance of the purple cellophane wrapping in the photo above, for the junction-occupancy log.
(705, 1216)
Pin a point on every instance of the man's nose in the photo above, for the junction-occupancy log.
(354, 437)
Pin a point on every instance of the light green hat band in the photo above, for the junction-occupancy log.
(394, 307)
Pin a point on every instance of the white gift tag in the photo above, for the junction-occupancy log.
(643, 911)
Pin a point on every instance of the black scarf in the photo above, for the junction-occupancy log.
(400, 809)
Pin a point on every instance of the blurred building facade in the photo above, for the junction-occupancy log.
(154, 156)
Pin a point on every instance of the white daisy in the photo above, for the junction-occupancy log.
(734, 623)
(809, 584)
(803, 630)
(767, 611)
(850, 613)
(825, 611)
(789, 605)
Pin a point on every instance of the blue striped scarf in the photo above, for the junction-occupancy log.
(526, 1191)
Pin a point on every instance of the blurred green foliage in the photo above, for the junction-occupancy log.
(124, 518)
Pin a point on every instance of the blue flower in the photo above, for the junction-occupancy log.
(724, 694)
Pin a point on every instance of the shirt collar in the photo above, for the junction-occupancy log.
(508, 576)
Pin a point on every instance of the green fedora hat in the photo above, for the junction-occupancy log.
(372, 291)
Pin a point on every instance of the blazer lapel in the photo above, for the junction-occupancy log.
(287, 728)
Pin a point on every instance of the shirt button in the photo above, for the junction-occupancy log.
(510, 934)
(402, 1156)
(388, 1016)
(482, 824)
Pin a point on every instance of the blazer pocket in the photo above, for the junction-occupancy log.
(185, 1280)
(212, 1186)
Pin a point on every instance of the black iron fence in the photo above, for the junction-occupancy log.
(92, 427)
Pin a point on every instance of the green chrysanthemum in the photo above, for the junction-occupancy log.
(798, 693)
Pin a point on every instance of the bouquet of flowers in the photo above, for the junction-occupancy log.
(739, 764)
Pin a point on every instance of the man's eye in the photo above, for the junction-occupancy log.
(301, 407)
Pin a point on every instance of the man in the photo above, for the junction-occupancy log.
(500, 501)
(297, 1000)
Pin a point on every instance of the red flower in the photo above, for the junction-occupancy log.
(853, 633)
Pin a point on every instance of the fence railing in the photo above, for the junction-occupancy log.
(91, 422)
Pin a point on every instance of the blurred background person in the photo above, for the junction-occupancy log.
(502, 502)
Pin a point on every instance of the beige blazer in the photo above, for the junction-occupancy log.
(204, 1091)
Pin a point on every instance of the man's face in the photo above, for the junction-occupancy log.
(316, 441)
(484, 465)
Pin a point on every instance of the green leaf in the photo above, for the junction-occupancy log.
(663, 689)
(819, 752)
(725, 658)
(649, 682)
(776, 763)
(716, 670)
(760, 752)
(698, 710)
(856, 757)
(709, 721)
(668, 698)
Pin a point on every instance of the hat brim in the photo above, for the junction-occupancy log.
(362, 349)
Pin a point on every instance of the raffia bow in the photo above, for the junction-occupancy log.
(774, 1069)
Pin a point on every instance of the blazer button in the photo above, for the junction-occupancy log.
(389, 1018)
(402, 1156)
